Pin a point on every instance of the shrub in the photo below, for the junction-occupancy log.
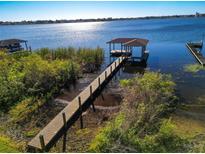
(28, 80)
(24, 109)
(164, 141)
(103, 140)
(7, 145)
(18, 55)
(146, 99)
(32, 76)
(41, 74)
(11, 82)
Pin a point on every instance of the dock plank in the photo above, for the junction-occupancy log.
(52, 129)
(199, 57)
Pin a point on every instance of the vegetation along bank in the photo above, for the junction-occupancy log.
(30, 81)
(144, 123)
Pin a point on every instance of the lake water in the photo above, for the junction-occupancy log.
(167, 38)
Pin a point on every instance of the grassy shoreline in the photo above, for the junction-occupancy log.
(144, 123)
(29, 82)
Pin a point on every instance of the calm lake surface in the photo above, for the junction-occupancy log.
(167, 49)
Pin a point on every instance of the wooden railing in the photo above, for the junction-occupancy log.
(48, 136)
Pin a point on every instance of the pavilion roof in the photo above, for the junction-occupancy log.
(120, 40)
(137, 42)
(130, 41)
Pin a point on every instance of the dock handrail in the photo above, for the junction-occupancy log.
(44, 140)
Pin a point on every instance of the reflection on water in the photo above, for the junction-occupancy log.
(86, 26)
(134, 67)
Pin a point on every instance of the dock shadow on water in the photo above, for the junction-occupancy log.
(133, 67)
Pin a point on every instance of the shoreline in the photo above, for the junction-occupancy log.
(42, 22)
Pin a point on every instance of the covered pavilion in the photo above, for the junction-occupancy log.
(127, 45)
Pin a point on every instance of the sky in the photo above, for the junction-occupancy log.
(45, 10)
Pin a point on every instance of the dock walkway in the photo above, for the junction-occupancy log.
(199, 57)
(49, 135)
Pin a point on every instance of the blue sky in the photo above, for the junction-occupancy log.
(17, 11)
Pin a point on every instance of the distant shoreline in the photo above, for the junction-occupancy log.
(94, 20)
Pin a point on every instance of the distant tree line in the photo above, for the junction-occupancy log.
(94, 20)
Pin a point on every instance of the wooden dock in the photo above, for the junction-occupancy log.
(58, 127)
(199, 57)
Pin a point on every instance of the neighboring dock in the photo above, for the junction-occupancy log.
(196, 53)
(58, 127)
(13, 45)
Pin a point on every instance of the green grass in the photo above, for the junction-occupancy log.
(193, 68)
(7, 145)
(82, 55)
(31, 133)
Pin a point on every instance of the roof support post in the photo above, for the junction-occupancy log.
(30, 48)
(143, 51)
(110, 47)
(26, 46)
